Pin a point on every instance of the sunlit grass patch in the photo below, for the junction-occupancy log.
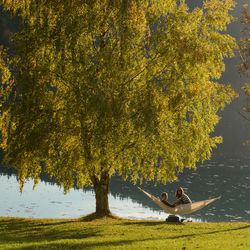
(116, 233)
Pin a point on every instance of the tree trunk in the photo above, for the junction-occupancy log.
(101, 188)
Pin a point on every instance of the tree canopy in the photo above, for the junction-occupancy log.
(244, 67)
(105, 86)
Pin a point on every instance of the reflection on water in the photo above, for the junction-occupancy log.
(229, 179)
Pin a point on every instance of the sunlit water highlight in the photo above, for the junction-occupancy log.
(48, 201)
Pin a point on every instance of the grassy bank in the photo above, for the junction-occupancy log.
(111, 233)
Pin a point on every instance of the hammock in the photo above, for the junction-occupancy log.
(181, 209)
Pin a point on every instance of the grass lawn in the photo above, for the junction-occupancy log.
(115, 233)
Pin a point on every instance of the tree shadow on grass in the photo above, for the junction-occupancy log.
(90, 245)
(152, 223)
(207, 233)
(23, 230)
(116, 243)
(20, 225)
(35, 233)
(21, 222)
(94, 216)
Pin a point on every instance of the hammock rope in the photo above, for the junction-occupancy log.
(181, 209)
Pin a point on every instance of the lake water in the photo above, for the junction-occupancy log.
(229, 178)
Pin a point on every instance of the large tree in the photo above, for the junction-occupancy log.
(105, 86)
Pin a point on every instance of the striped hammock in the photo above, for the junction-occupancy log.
(181, 209)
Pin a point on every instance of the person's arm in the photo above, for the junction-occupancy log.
(168, 204)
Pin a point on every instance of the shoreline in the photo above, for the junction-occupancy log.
(115, 217)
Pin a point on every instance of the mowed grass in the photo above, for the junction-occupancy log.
(115, 233)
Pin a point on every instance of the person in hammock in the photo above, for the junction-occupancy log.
(181, 197)
(164, 197)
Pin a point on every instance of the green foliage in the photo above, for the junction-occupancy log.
(244, 50)
(106, 86)
(244, 67)
(6, 87)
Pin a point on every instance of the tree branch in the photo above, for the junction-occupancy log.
(244, 116)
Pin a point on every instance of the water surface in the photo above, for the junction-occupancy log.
(230, 179)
